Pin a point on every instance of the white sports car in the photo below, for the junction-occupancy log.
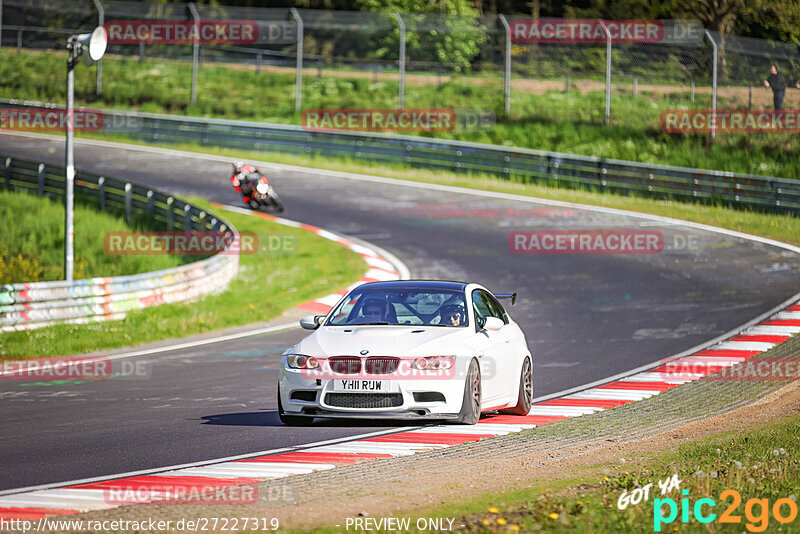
(408, 349)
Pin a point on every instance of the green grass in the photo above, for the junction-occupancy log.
(267, 284)
(565, 122)
(32, 243)
(760, 463)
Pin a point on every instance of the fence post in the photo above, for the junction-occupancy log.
(101, 18)
(298, 84)
(128, 202)
(749, 96)
(19, 42)
(259, 59)
(195, 48)
(692, 91)
(101, 193)
(1, 25)
(170, 214)
(141, 51)
(713, 87)
(151, 205)
(187, 218)
(635, 86)
(8, 173)
(41, 179)
(507, 73)
(402, 65)
(608, 72)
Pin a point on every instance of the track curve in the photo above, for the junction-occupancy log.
(586, 316)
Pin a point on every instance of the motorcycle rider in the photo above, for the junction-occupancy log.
(244, 178)
(253, 186)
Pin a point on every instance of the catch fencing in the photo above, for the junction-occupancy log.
(406, 50)
(26, 306)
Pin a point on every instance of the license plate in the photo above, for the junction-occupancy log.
(361, 385)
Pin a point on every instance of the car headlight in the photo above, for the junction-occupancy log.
(262, 188)
(299, 361)
(434, 363)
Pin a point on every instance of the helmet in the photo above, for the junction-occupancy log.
(452, 308)
(238, 165)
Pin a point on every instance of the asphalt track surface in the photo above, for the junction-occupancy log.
(586, 316)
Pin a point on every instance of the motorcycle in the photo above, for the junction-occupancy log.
(254, 187)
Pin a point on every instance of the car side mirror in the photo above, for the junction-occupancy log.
(493, 323)
(311, 322)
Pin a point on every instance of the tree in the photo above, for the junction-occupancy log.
(441, 31)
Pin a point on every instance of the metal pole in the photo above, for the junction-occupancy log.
(402, 65)
(298, 84)
(195, 48)
(101, 18)
(713, 87)
(1, 25)
(70, 165)
(507, 74)
(608, 71)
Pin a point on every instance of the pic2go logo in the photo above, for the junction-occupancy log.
(756, 511)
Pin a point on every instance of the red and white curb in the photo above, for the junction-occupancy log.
(93, 495)
(382, 264)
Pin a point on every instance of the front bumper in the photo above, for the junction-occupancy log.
(434, 399)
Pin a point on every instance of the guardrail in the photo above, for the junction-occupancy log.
(33, 305)
(510, 163)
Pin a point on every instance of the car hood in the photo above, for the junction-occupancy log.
(386, 341)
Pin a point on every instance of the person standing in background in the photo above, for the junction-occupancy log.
(778, 86)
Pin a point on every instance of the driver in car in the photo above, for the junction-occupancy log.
(373, 311)
(453, 316)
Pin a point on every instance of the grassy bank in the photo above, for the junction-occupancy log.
(32, 242)
(268, 283)
(761, 463)
(549, 119)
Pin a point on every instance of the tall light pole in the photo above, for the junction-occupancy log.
(94, 45)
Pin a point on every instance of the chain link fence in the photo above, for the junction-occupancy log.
(342, 57)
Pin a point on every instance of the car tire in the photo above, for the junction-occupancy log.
(471, 405)
(292, 420)
(525, 394)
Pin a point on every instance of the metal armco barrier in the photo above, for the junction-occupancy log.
(515, 164)
(33, 305)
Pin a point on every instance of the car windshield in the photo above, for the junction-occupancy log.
(426, 307)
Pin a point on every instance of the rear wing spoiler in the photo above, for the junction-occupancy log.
(512, 296)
